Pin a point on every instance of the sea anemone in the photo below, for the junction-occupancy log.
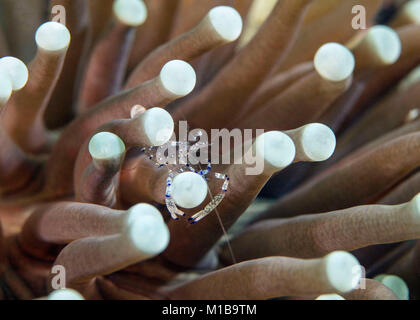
(94, 94)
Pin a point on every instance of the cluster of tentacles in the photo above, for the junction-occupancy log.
(108, 79)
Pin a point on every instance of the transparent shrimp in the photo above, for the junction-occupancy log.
(178, 164)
